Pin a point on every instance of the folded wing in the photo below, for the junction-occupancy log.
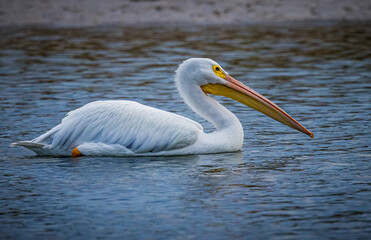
(137, 127)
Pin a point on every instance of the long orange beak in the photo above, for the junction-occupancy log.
(243, 94)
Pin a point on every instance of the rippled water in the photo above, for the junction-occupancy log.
(283, 185)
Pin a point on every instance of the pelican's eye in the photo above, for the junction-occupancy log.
(218, 71)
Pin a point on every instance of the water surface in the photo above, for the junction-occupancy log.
(283, 185)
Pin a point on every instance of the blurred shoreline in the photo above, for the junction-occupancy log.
(175, 12)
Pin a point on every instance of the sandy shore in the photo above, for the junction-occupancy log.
(101, 12)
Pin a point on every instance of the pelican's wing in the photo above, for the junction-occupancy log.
(134, 126)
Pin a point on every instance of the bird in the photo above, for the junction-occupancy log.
(128, 128)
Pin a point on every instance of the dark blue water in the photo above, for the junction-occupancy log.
(283, 185)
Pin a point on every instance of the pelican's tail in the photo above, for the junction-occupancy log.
(39, 148)
(27, 144)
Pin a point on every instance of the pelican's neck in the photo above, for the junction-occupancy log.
(229, 133)
(208, 108)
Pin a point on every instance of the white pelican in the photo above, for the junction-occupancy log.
(127, 128)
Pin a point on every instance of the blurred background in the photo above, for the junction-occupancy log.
(95, 12)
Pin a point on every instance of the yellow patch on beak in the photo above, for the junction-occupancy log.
(215, 89)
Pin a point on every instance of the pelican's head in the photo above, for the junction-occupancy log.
(200, 71)
(213, 79)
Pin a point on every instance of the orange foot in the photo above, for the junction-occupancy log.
(76, 153)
